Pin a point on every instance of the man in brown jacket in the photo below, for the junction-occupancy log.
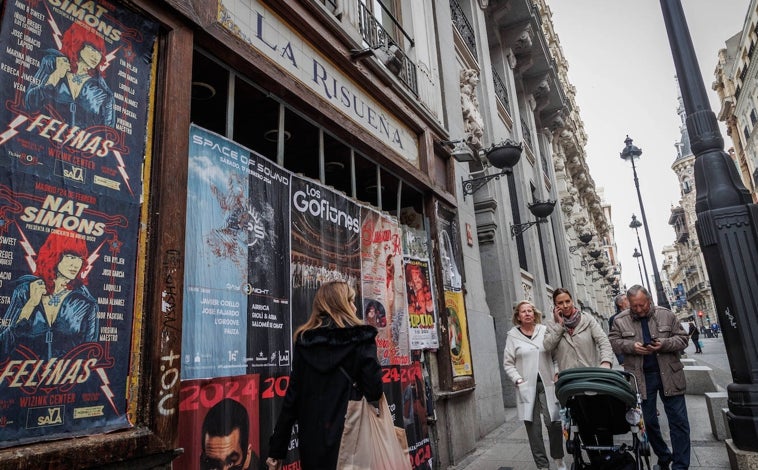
(651, 340)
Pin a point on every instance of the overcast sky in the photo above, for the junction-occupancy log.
(621, 65)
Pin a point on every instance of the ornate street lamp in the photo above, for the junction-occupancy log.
(631, 152)
(541, 210)
(503, 156)
(644, 280)
(636, 224)
(727, 224)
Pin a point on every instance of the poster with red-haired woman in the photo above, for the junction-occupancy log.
(67, 270)
(76, 80)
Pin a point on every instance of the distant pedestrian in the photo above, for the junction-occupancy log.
(532, 369)
(715, 329)
(621, 303)
(651, 339)
(695, 337)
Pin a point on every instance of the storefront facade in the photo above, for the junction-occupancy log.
(246, 152)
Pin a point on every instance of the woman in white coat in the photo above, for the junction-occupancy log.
(532, 369)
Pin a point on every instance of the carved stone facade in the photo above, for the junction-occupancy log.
(737, 84)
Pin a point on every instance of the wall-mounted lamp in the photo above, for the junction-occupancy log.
(504, 156)
(584, 238)
(462, 151)
(389, 54)
(541, 210)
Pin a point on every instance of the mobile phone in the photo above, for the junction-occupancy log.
(652, 340)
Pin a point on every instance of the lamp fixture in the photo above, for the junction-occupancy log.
(504, 156)
(462, 151)
(541, 210)
(585, 239)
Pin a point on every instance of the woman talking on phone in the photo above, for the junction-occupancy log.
(576, 340)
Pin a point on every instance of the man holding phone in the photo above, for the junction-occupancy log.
(651, 339)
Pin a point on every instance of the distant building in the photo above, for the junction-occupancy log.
(736, 84)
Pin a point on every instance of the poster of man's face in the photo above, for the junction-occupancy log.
(219, 424)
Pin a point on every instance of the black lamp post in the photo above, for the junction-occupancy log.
(726, 226)
(631, 152)
(636, 224)
(645, 282)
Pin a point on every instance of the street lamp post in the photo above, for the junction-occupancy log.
(636, 224)
(727, 225)
(638, 254)
(631, 152)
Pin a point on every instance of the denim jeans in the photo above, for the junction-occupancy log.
(679, 425)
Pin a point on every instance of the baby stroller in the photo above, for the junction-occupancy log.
(597, 404)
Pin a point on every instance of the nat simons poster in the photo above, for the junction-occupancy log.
(382, 278)
(455, 308)
(76, 81)
(218, 419)
(67, 270)
(236, 300)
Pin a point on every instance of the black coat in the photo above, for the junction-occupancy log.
(318, 391)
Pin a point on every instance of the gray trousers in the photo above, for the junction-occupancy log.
(534, 431)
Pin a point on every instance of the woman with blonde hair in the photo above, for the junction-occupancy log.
(532, 369)
(318, 392)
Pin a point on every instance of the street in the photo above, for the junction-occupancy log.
(507, 447)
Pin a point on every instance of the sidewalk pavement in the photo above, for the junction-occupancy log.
(507, 447)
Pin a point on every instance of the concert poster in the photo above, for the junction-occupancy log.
(326, 243)
(67, 270)
(384, 305)
(405, 390)
(77, 80)
(455, 306)
(218, 419)
(422, 308)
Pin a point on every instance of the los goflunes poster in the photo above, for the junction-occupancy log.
(256, 219)
(76, 85)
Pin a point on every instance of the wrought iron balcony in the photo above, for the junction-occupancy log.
(463, 26)
(376, 36)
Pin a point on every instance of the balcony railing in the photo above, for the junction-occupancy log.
(697, 288)
(463, 26)
(501, 91)
(375, 36)
(527, 134)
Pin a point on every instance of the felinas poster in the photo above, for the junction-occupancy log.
(219, 422)
(67, 270)
(382, 277)
(76, 80)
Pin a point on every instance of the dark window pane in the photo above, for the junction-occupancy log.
(300, 145)
(390, 183)
(337, 164)
(256, 118)
(365, 180)
(209, 94)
